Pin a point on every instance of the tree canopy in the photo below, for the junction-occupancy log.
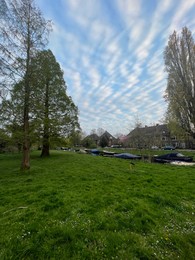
(53, 109)
(179, 59)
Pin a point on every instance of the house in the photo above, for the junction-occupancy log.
(158, 135)
(148, 136)
(106, 139)
(93, 140)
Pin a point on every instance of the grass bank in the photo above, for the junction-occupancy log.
(74, 206)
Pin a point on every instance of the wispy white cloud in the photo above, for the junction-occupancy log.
(181, 15)
(130, 9)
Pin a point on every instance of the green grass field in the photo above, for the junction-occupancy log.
(76, 206)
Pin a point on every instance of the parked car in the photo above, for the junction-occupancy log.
(127, 156)
(154, 147)
(116, 146)
(169, 147)
(172, 157)
(65, 148)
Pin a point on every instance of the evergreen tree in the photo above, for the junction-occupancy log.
(55, 112)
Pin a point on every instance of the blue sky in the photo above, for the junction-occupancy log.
(111, 52)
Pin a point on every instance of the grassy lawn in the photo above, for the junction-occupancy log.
(74, 206)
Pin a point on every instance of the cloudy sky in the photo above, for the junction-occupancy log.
(111, 52)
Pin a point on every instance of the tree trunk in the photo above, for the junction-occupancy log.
(25, 165)
(26, 141)
(45, 148)
(26, 156)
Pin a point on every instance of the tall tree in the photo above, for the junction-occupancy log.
(54, 110)
(179, 59)
(53, 114)
(23, 32)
